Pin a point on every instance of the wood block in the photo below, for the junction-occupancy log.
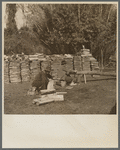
(47, 91)
(61, 93)
(48, 98)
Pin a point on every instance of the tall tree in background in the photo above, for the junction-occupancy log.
(24, 40)
(105, 38)
(63, 32)
(64, 27)
(11, 23)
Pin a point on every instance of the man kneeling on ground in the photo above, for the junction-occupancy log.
(42, 79)
(68, 79)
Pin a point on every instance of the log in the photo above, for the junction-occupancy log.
(93, 73)
(47, 91)
(44, 102)
(47, 99)
(61, 93)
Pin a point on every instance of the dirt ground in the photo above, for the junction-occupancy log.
(98, 96)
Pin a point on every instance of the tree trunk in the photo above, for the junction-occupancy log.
(109, 14)
(101, 10)
(11, 24)
(79, 14)
(101, 59)
(51, 7)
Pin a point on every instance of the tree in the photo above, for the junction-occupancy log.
(63, 28)
(101, 32)
(61, 32)
(11, 23)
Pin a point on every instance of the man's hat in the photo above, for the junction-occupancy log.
(48, 68)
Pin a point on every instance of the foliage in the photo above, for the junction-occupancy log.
(23, 41)
(61, 33)
(64, 28)
(11, 24)
(105, 38)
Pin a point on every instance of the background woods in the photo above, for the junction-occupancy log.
(61, 29)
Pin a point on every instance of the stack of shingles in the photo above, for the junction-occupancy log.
(86, 63)
(69, 63)
(86, 59)
(77, 63)
(41, 57)
(94, 62)
(6, 76)
(25, 72)
(15, 71)
(34, 69)
(55, 66)
(61, 68)
(33, 57)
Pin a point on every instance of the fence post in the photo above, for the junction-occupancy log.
(101, 60)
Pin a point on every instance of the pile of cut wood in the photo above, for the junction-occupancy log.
(18, 71)
(34, 69)
(49, 96)
(88, 61)
(25, 72)
(6, 72)
(56, 68)
(69, 63)
(14, 70)
(77, 63)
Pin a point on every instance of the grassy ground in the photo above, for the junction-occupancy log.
(95, 97)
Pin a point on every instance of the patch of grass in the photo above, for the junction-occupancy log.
(96, 97)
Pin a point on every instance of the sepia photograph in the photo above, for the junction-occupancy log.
(60, 74)
(60, 58)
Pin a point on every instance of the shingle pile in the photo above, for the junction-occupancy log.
(34, 69)
(25, 72)
(87, 60)
(33, 57)
(77, 63)
(69, 63)
(56, 65)
(86, 63)
(6, 70)
(85, 57)
(61, 71)
(95, 65)
(15, 71)
(41, 57)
